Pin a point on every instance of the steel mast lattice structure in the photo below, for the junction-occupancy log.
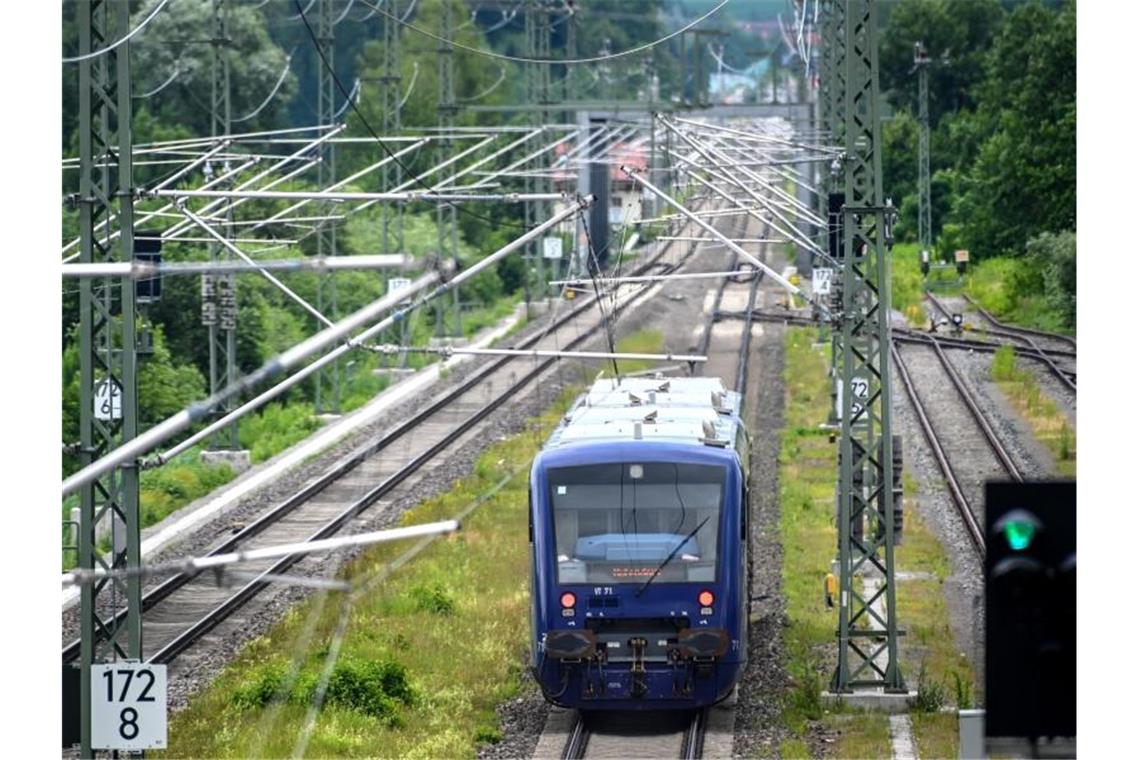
(536, 24)
(447, 224)
(868, 627)
(326, 176)
(108, 359)
(219, 291)
(922, 63)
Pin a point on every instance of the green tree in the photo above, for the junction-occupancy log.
(1023, 180)
(177, 40)
(956, 34)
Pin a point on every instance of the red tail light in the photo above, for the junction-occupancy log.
(705, 598)
(568, 600)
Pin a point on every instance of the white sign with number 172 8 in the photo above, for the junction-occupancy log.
(128, 706)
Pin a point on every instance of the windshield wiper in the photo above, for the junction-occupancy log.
(672, 554)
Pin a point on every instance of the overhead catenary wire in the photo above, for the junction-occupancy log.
(549, 61)
(280, 363)
(163, 86)
(368, 126)
(142, 25)
(272, 93)
(197, 564)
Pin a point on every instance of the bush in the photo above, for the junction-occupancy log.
(276, 428)
(964, 696)
(1004, 367)
(433, 599)
(372, 687)
(263, 687)
(930, 695)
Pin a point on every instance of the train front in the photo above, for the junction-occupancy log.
(638, 575)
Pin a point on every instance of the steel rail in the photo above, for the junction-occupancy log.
(973, 525)
(341, 468)
(975, 411)
(1057, 372)
(577, 740)
(906, 335)
(693, 743)
(1018, 328)
(208, 622)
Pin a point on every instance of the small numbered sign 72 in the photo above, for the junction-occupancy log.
(128, 706)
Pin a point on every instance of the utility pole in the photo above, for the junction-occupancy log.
(445, 214)
(326, 175)
(867, 631)
(108, 392)
(219, 291)
(922, 63)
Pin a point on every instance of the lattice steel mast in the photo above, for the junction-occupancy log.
(108, 395)
(219, 291)
(445, 214)
(326, 175)
(867, 467)
(537, 29)
(922, 63)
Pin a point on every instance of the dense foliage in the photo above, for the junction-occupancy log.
(1003, 120)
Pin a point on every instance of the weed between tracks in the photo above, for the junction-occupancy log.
(427, 655)
(1049, 424)
(807, 527)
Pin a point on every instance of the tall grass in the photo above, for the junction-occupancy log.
(427, 655)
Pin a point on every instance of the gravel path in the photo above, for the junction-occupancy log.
(758, 726)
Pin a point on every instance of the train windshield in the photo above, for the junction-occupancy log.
(617, 523)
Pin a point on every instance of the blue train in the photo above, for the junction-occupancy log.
(639, 547)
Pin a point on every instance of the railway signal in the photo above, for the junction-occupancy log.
(1031, 605)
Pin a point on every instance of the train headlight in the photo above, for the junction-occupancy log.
(705, 598)
(569, 600)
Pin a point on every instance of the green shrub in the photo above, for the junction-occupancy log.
(488, 735)
(263, 687)
(372, 687)
(1004, 367)
(433, 599)
(276, 428)
(964, 696)
(931, 695)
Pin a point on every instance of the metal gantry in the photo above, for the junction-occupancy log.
(868, 627)
(327, 380)
(219, 291)
(108, 395)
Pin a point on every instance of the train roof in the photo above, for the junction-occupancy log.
(692, 410)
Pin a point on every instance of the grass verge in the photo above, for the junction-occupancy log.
(426, 656)
(1050, 426)
(994, 283)
(930, 661)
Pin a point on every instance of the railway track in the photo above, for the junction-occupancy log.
(908, 335)
(185, 608)
(638, 735)
(991, 319)
(663, 734)
(971, 515)
(1024, 336)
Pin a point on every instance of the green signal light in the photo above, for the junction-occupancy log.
(1019, 534)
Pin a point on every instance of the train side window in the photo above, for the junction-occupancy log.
(530, 513)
